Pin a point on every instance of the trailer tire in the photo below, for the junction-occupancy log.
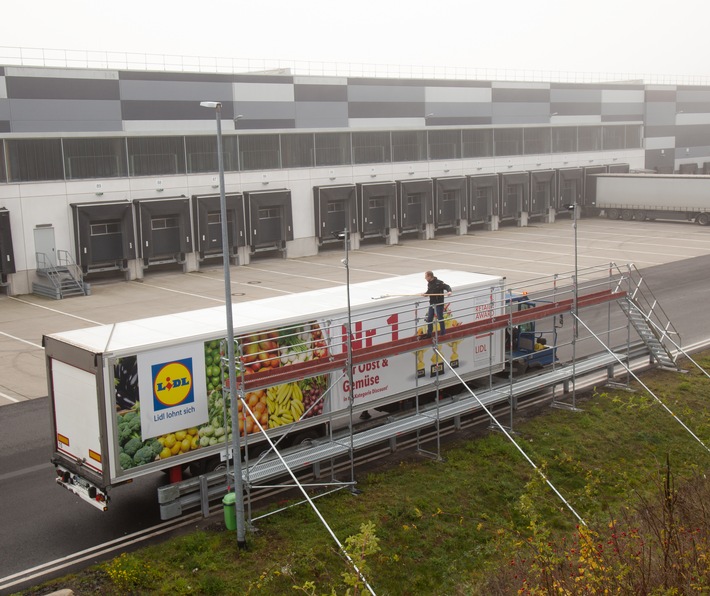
(703, 219)
(627, 214)
(640, 215)
(612, 214)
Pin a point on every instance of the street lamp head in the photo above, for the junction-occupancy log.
(211, 104)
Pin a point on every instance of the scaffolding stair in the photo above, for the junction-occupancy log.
(649, 319)
(649, 335)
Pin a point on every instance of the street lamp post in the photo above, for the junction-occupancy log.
(236, 450)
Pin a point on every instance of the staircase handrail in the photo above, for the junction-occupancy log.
(45, 265)
(65, 259)
(640, 294)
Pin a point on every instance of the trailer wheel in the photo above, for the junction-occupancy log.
(627, 214)
(640, 216)
(612, 214)
(704, 219)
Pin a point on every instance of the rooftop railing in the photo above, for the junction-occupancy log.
(103, 60)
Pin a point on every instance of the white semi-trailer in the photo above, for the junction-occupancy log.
(654, 196)
(132, 398)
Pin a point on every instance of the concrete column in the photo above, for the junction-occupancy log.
(392, 237)
(462, 229)
(523, 220)
(492, 223)
(243, 256)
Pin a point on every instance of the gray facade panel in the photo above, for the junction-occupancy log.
(694, 107)
(48, 110)
(384, 93)
(693, 96)
(659, 113)
(263, 79)
(662, 95)
(659, 131)
(520, 95)
(695, 135)
(195, 77)
(175, 90)
(4, 109)
(265, 110)
(521, 119)
(63, 126)
(170, 110)
(576, 109)
(4, 126)
(321, 114)
(622, 117)
(274, 124)
(61, 88)
(460, 120)
(332, 93)
(374, 109)
(445, 109)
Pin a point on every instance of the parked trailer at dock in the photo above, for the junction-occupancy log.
(654, 196)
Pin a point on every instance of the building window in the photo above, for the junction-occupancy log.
(105, 228)
(259, 152)
(201, 154)
(164, 223)
(508, 141)
(444, 144)
(156, 156)
(536, 141)
(613, 137)
(589, 138)
(3, 166)
(633, 136)
(32, 160)
(371, 147)
(409, 145)
(564, 139)
(94, 158)
(332, 149)
(297, 151)
(478, 143)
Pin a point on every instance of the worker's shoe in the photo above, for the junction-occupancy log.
(425, 336)
(365, 415)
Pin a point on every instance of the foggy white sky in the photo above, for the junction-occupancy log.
(604, 36)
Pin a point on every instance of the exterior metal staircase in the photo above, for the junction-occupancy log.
(60, 280)
(649, 320)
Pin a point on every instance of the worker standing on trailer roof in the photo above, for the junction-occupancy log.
(436, 290)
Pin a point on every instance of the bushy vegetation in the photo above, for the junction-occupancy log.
(483, 521)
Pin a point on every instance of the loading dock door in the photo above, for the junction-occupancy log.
(207, 215)
(104, 234)
(514, 192)
(450, 200)
(482, 197)
(569, 190)
(542, 189)
(270, 218)
(335, 209)
(7, 255)
(377, 205)
(415, 203)
(164, 229)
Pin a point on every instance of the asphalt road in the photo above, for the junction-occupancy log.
(40, 522)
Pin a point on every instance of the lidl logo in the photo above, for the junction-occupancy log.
(172, 384)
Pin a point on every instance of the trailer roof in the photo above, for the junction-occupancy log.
(259, 315)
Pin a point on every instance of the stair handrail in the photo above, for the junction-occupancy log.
(65, 259)
(641, 295)
(46, 266)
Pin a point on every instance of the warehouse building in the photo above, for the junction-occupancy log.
(115, 170)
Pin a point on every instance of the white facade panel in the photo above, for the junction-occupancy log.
(659, 142)
(457, 94)
(623, 96)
